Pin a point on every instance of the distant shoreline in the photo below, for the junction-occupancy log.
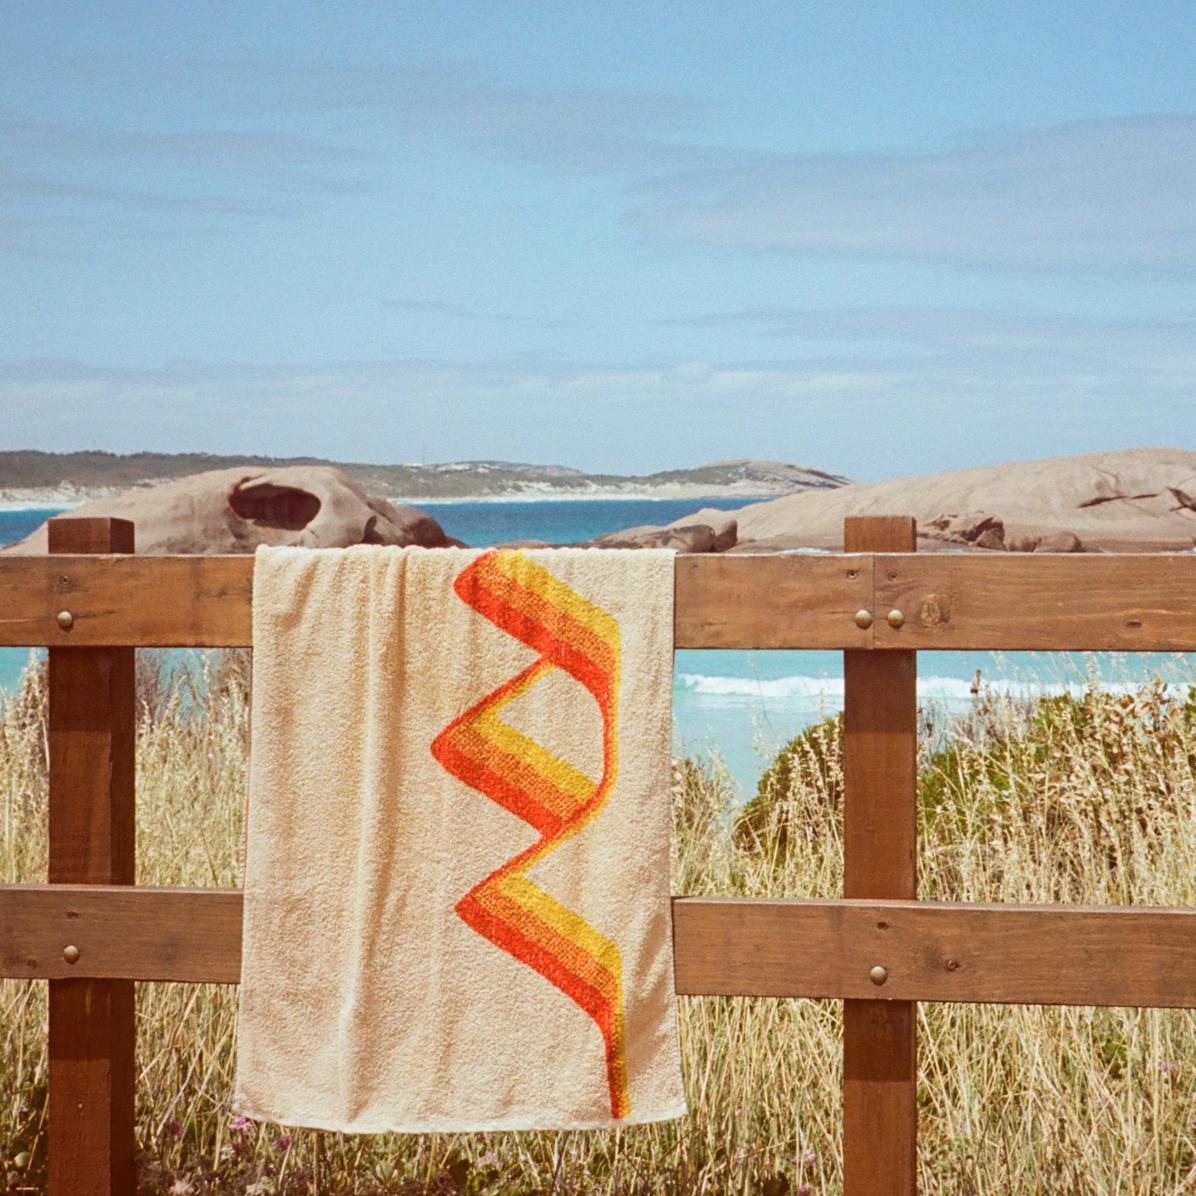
(587, 496)
(64, 502)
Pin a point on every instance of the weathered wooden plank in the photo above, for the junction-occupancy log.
(1065, 603)
(1081, 602)
(141, 933)
(168, 601)
(92, 829)
(880, 843)
(937, 951)
(722, 602)
(771, 601)
(933, 951)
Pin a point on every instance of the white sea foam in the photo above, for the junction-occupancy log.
(752, 687)
(39, 504)
(949, 689)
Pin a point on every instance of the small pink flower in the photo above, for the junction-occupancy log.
(803, 1190)
(489, 1159)
(1168, 1068)
(241, 1125)
(809, 1158)
(282, 1141)
(174, 1128)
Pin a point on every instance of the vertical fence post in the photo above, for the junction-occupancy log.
(92, 719)
(879, 860)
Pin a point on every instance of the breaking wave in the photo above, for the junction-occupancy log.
(948, 689)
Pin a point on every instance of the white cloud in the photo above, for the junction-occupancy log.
(1150, 344)
(48, 169)
(570, 127)
(865, 417)
(1096, 196)
(256, 151)
(39, 188)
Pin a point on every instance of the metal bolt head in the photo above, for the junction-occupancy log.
(863, 619)
(895, 618)
(66, 620)
(878, 975)
(71, 954)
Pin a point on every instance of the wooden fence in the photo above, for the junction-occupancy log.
(93, 934)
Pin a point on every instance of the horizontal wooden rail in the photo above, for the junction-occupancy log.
(192, 601)
(1140, 603)
(1125, 603)
(121, 932)
(931, 951)
(149, 602)
(937, 951)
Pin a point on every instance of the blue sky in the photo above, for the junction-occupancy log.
(877, 238)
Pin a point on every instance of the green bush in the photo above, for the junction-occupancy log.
(803, 782)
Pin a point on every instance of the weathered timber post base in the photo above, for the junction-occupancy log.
(880, 784)
(92, 1040)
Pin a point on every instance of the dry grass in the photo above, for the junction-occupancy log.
(1091, 800)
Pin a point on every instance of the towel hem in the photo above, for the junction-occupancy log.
(669, 1113)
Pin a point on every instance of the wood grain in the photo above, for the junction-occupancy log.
(880, 801)
(722, 602)
(770, 601)
(936, 951)
(732, 946)
(1065, 603)
(141, 933)
(171, 601)
(92, 827)
(1081, 602)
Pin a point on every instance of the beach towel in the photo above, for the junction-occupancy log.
(456, 862)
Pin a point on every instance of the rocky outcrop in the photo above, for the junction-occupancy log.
(688, 536)
(235, 510)
(976, 527)
(1136, 500)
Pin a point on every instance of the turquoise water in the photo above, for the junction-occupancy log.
(743, 705)
(564, 521)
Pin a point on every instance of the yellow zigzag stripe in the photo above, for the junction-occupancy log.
(570, 633)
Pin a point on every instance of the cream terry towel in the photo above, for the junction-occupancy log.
(456, 878)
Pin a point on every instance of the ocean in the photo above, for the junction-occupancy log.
(737, 708)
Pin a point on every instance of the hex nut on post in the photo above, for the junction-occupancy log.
(863, 619)
(66, 620)
(71, 954)
(878, 975)
(895, 618)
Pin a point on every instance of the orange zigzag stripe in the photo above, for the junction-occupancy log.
(570, 633)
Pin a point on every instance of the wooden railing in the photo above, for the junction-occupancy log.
(92, 934)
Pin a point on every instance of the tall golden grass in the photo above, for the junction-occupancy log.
(1081, 800)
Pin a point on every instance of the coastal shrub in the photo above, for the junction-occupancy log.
(1087, 798)
(798, 793)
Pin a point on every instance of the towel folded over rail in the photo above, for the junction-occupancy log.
(456, 876)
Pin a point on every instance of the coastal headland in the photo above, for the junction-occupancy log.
(29, 478)
(1132, 500)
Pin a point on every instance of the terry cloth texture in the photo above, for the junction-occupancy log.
(457, 853)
